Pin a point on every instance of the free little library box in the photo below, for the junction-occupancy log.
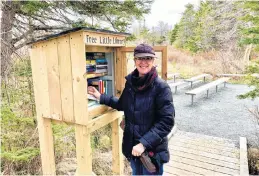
(63, 65)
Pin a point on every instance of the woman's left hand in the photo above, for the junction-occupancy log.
(138, 149)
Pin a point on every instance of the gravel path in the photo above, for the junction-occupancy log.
(220, 115)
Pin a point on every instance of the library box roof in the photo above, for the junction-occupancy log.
(93, 39)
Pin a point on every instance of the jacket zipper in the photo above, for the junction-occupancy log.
(134, 100)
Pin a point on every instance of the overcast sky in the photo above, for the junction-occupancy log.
(168, 11)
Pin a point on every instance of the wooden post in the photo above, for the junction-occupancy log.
(83, 150)
(192, 99)
(164, 63)
(40, 82)
(117, 157)
(83, 139)
(243, 157)
(118, 72)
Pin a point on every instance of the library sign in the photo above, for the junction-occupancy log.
(104, 40)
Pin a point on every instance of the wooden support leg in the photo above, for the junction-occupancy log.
(46, 146)
(83, 150)
(216, 88)
(204, 79)
(175, 89)
(208, 93)
(192, 99)
(117, 157)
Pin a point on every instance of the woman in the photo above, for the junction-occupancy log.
(149, 112)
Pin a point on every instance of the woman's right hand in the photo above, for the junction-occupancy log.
(93, 91)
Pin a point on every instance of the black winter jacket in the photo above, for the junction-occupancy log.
(149, 117)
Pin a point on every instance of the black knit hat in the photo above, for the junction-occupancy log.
(144, 50)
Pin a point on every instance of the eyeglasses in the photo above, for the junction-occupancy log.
(144, 58)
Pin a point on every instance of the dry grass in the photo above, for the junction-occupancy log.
(253, 159)
(213, 62)
(188, 64)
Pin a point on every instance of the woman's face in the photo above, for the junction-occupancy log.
(144, 65)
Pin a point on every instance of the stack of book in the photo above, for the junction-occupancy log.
(101, 63)
(96, 67)
(96, 63)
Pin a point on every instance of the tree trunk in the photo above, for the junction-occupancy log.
(8, 17)
(247, 54)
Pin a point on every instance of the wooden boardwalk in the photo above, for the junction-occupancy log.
(196, 154)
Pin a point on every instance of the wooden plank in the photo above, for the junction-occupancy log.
(207, 86)
(127, 49)
(123, 72)
(66, 88)
(202, 144)
(99, 38)
(117, 157)
(41, 80)
(79, 83)
(39, 74)
(118, 71)
(200, 141)
(158, 48)
(204, 165)
(131, 49)
(177, 84)
(237, 75)
(53, 79)
(83, 150)
(197, 77)
(164, 63)
(203, 136)
(174, 170)
(167, 174)
(231, 75)
(103, 49)
(83, 140)
(233, 153)
(103, 120)
(95, 111)
(195, 169)
(202, 153)
(243, 157)
(204, 159)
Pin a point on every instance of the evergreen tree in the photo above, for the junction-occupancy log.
(251, 30)
(173, 34)
(253, 81)
(251, 36)
(186, 29)
(204, 31)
